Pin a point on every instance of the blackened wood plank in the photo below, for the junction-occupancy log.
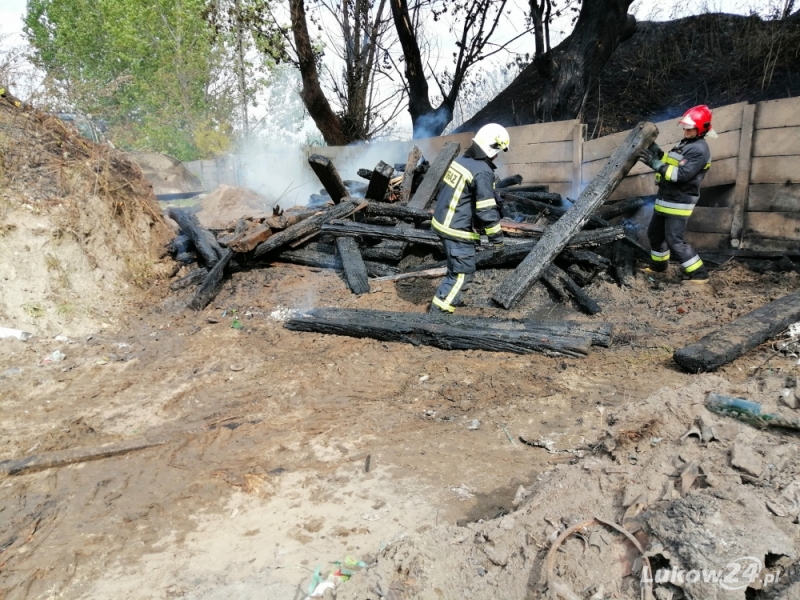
(427, 189)
(408, 174)
(379, 182)
(355, 270)
(328, 176)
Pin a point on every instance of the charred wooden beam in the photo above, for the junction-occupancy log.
(528, 188)
(413, 236)
(197, 233)
(211, 239)
(209, 289)
(193, 278)
(379, 181)
(611, 211)
(623, 263)
(439, 333)
(600, 333)
(508, 181)
(737, 337)
(427, 189)
(516, 252)
(551, 209)
(585, 256)
(328, 176)
(581, 275)
(390, 250)
(355, 271)
(559, 234)
(306, 227)
(364, 174)
(408, 174)
(323, 260)
(513, 253)
(542, 197)
(384, 209)
(566, 287)
(529, 204)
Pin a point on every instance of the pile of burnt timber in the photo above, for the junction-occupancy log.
(558, 338)
(368, 231)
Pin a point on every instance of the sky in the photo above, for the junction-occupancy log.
(11, 13)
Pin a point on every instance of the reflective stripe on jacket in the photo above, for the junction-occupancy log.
(466, 197)
(679, 186)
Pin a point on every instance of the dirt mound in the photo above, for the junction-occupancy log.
(722, 498)
(80, 230)
(228, 203)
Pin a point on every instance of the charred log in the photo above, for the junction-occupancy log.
(355, 271)
(379, 182)
(420, 331)
(191, 227)
(328, 176)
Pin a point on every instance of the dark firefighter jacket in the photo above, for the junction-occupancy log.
(466, 197)
(679, 183)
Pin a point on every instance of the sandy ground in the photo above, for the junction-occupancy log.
(286, 451)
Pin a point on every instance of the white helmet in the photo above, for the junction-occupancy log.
(492, 138)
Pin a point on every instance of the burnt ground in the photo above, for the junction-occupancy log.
(268, 432)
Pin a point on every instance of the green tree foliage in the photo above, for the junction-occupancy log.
(158, 72)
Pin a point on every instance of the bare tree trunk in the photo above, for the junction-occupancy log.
(537, 16)
(554, 87)
(480, 21)
(419, 104)
(240, 67)
(327, 121)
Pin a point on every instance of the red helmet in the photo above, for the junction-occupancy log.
(698, 117)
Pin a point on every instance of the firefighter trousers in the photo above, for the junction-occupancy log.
(460, 271)
(666, 234)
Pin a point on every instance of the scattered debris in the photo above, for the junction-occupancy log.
(71, 456)
(748, 412)
(24, 336)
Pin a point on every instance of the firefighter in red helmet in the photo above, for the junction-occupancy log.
(678, 176)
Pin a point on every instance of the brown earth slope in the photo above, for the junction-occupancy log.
(80, 230)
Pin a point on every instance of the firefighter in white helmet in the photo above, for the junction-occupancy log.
(678, 176)
(465, 201)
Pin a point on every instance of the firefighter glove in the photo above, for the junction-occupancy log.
(656, 149)
(657, 166)
(646, 156)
